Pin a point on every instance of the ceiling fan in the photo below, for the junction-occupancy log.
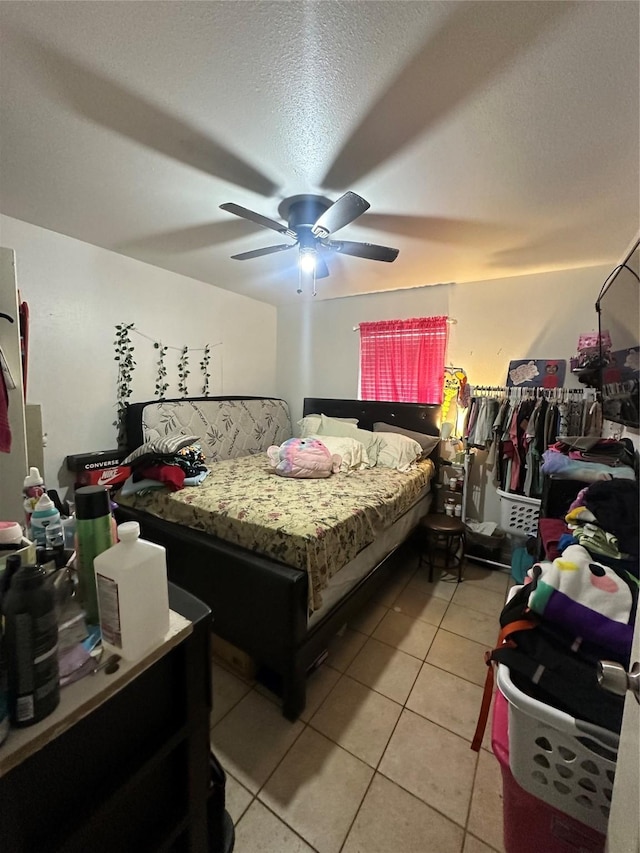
(311, 222)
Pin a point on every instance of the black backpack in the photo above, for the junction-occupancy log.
(549, 665)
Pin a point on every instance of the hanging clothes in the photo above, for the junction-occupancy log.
(516, 426)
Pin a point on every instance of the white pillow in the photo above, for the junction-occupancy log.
(310, 424)
(332, 426)
(397, 451)
(354, 454)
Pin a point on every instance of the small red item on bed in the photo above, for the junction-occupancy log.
(171, 475)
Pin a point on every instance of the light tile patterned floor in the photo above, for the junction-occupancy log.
(380, 760)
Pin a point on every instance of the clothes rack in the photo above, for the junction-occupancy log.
(496, 439)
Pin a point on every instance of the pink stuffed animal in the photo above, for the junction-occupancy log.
(303, 457)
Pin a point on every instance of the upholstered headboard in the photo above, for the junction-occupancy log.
(225, 426)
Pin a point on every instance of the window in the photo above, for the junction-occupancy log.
(403, 360)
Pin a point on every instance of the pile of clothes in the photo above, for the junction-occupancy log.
(173, 470)
(589, 459)
(604, 519)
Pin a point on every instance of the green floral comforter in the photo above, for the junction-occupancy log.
(314, 525)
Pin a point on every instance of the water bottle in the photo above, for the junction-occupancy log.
(31, 637)
(133, 594)
(94, 535)
(46, 515)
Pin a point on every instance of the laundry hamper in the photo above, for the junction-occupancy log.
(518, 513)
(569, 764)
(530, 825)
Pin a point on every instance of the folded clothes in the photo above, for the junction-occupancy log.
(588, 599)
(132, 487)
(146, 484)
(560, 466)
(195, 481)
(170, 475)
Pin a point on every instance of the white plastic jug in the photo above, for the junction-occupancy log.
(133, 595)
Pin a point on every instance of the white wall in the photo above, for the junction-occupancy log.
(532, 316)
(77, 293)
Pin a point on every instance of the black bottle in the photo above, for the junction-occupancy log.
(31, 647)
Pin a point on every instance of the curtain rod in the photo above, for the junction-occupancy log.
(450, 320)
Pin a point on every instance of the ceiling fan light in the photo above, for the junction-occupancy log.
(308, 260)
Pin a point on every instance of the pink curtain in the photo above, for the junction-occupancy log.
(403, 360)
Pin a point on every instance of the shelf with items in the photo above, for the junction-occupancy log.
(451, 490)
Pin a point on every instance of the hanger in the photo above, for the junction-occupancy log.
(6, 317)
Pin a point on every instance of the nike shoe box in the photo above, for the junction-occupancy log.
(100, 468)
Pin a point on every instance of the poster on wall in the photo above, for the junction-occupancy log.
(536, 373)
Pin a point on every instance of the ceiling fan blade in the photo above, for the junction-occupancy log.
(258, 253)
(230, 207)
(365, 250)
(322, 270)
(343, 211)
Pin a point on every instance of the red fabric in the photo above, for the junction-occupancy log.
(5, 429)
(551, 530)
(403, 360)
(171, 475)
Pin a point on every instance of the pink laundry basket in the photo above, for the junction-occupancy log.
(531, 825)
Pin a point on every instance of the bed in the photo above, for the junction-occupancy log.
(280, 586)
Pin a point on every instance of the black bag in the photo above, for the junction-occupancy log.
(549, 665)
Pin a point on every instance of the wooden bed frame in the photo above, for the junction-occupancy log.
(260, 604)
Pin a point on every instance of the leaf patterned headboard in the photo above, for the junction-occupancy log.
(226, 426)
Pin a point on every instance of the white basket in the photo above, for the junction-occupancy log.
(565, 762)
(518, 514)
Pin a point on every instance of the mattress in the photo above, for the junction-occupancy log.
(367, 560)
(226, 428)
(317, 526)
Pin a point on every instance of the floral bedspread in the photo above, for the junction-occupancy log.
(314, 525)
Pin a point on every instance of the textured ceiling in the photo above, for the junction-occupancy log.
(492, 139)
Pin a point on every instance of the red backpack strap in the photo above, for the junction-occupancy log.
(512, 627)
(483, 716)
(503, 639)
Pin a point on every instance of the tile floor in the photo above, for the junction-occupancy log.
(380, 761)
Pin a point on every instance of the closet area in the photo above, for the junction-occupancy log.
(517, 433)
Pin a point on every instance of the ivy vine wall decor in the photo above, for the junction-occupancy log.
(126, 366)
(161, 383)
(124, 350)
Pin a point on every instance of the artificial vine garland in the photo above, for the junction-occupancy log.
(183, 371)
(204, 367)
(161, 383)
(126, 366)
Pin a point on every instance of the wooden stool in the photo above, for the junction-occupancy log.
(446, 534)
